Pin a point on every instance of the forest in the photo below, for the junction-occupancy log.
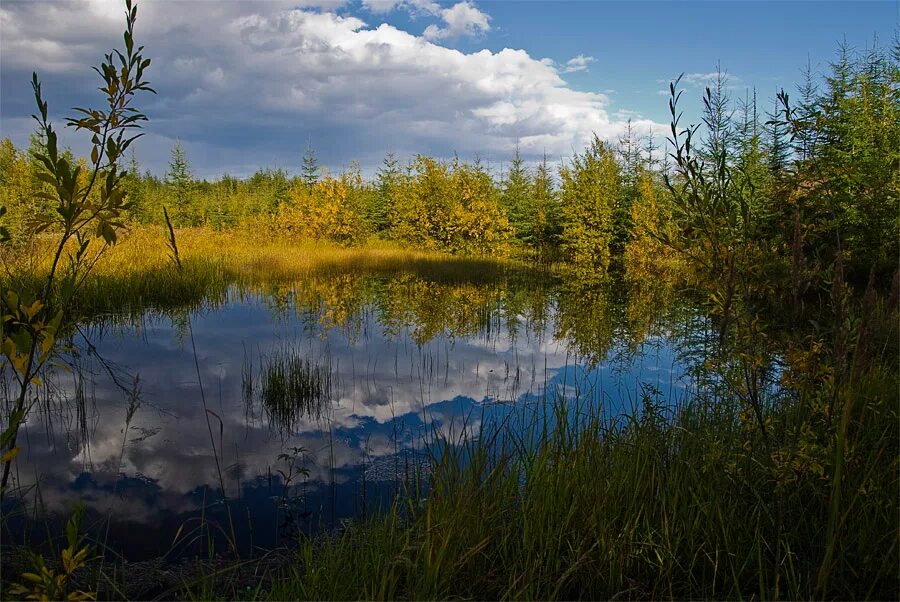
(775, 224)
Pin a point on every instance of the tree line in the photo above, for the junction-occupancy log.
(802, 179)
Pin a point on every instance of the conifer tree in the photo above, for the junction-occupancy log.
(309, 171)
(516, 198)
(629, 152)
(777, 146)
(545, 227)
(179, 180)
(386, 181)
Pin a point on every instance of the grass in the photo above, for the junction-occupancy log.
(137, 274)
(291, 387)
(569, 504)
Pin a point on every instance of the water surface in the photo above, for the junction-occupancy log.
(408, 361)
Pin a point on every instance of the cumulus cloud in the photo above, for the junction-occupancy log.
(245, 84)
(461, 19)
(578, 63)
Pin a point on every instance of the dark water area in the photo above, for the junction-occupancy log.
(402, 362)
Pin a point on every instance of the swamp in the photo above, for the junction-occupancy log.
(666, 366)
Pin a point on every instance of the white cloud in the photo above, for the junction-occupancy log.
(461, 19)
(578, 63)
(707, 79)
(414, 7)
(244, 85)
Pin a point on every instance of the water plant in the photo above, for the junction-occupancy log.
(293, 387)
(84, 210)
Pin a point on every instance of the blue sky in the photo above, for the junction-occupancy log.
(764, 43)
(245, 84)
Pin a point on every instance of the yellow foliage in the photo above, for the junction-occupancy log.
(330, 208)
(453, 207)
(647, 256)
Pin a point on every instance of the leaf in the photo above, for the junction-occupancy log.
(9, 455)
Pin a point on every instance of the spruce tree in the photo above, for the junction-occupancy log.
(179, 180)
(516, 198)
(386, 180)
(777, 144)
(632, 163)
(309, 171)
(545, 227)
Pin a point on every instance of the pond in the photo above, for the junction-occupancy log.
(320, 400)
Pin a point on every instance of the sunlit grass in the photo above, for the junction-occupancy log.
(138, 272)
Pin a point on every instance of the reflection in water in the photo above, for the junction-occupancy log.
(326, 395)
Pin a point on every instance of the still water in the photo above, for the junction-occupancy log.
(403, 361)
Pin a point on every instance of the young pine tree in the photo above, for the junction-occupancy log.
(546, 227)
(386, 181)
(633, 165)
(179, 181)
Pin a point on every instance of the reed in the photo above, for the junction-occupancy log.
(292, 388)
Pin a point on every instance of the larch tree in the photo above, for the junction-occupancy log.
(590, 187)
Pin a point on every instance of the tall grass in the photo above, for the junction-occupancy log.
(137, 274)
(646, 508)
(290, 387)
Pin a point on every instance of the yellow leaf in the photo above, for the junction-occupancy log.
(47, 344)
(33, 309)
(10, 455)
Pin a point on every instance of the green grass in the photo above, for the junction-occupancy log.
(291, 387)
(564, 503)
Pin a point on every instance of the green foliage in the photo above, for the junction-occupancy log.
(590, 190)
(546, 209)
(632, 165)
(44, 583)
(517, 199)
(846, 180)
(386, 181)
(179, 182)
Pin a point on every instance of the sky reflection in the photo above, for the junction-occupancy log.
(394, 390)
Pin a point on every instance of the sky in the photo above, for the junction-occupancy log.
(247, 84)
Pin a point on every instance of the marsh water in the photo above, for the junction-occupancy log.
(319, 401)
